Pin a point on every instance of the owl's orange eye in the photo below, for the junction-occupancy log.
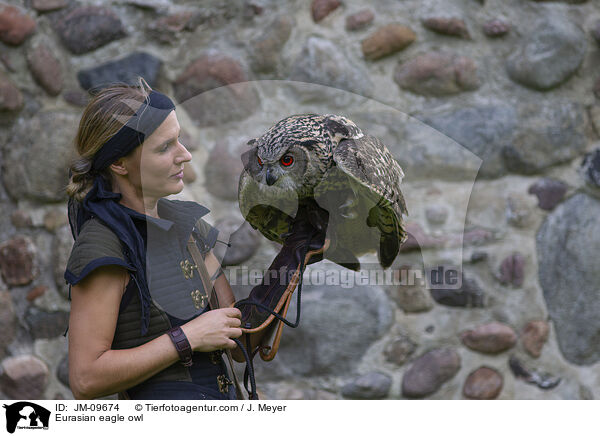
(259, 161)
(287, 160)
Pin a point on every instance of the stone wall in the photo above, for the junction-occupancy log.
(489, 106)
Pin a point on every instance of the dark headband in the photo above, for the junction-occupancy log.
(138, 127)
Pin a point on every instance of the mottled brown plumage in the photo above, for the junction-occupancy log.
(351, 175)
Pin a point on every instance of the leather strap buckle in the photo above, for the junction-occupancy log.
(223, 383)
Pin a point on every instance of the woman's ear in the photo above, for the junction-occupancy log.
(119, 167)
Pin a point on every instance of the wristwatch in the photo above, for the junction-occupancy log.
(182, 345)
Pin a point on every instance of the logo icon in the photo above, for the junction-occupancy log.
(26, 415)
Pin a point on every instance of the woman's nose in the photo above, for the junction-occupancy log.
(184, 155)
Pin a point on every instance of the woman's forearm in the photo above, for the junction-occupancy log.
(116, 370)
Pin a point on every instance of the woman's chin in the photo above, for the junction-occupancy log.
(178, 187)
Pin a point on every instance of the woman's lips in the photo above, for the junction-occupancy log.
(179, 175)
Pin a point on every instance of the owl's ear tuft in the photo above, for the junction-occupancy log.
(246, 156)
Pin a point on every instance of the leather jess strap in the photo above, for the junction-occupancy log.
(213, 301)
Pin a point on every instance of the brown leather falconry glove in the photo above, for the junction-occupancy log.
(304, 244)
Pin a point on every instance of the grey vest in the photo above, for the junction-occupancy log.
(98, 245)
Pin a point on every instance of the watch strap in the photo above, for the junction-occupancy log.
(182, 345)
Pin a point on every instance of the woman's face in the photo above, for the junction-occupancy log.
(156, 167)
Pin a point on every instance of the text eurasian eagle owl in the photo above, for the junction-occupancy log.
(326, 159)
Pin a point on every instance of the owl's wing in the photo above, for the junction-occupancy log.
(370, 163)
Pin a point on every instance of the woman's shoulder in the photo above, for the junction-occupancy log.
(97, 239)
(95, 246)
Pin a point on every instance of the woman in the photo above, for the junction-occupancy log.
(120, 339)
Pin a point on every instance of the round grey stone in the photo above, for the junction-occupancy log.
(549, 55)
(371, 386)
(37, 156)
(337, 326)
(325, 63)
(484, 130)
(547, 135)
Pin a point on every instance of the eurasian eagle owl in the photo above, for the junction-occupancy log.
(326, 159)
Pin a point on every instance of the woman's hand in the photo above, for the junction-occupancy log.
(214, 329)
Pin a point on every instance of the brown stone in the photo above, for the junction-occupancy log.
(46, 69)
(512, 270)
(48, 5)
(20, 218)
(252, 8)
(387, 40)
(399, 350)
(176, 22)
(410, 293)
(86, 28)
(165, 29)
(550, 192)
(429, 372)
(418, 239)
(233, 100)
(534, 336)
(36, 292)
(490, 338)
(15, 26)
(483, 384)
(495, 28)
(265, 49)
(11, 98)
(222, 172)
(359, 20)
(54, 219)
(321, 8)
(437, 74)
(447, 26)
(476, 236)
(76, 97)
(24, 377)
(16, 261)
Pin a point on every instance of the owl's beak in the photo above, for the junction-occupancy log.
(271, 178)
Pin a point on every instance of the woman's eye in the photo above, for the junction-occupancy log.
(168, 144)
(259, 161)
(287, 160)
